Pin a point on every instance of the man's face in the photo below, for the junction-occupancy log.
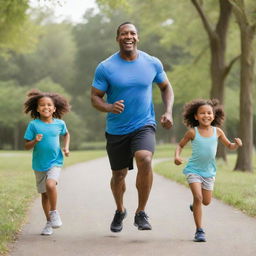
(127, 38)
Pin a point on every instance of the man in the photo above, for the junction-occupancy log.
(126, 78)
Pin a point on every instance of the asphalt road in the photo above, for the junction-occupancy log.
(87, 208)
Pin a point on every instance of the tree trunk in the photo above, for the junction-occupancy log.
(218, 78)
(244, 159)
(218, 68)
(218, 65)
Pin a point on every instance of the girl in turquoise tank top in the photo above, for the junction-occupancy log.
(202, 117)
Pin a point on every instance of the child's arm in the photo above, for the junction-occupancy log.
(226, 142)
(31, 143)
(189, 135)
(66, 144)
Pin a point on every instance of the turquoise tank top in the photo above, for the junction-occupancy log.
(202, 161)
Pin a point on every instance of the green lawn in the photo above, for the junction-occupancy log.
(17, 189)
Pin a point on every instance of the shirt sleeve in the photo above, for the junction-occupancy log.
(100, 78)
(30, 132)
(160, 75)
(64, 129)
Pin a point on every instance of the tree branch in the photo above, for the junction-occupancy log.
(204, 19)
(229, 66)
(238, 8)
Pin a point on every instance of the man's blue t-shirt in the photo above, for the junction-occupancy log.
(130, 81)
(47, 152)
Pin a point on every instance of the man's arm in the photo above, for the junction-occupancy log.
(168, 99)
(99, 103)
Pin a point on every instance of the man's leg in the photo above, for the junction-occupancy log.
(144, 177)
(143, 183)
(117, 184)
(118, 187)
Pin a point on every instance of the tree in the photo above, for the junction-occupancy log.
(11, 116)
(17, 33)
(217, 40)
(245, 16)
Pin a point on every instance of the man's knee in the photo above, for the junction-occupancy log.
(118, 176)
(143, 158)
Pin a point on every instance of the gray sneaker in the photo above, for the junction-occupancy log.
(141, 221)
(117, 222)
(47, 230)
(55, 219)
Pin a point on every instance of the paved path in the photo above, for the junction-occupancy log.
(87, 208)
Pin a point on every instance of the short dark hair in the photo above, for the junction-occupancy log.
(124, 23)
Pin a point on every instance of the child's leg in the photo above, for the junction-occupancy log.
(51, 186)
(207, 188)
(46, 205)
(196, 189)
(207, 196)
(51, 193)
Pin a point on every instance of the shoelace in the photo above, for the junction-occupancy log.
(118, 217)
(54, 216)
(144, 215)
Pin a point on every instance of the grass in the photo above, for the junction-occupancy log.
(17, 189)
(232, 187)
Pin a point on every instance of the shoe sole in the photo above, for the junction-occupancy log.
(141, 228)
(116, 230)
(200, 240)
(56, 226)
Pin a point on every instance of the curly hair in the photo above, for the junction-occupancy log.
(191, 108)
(61, 104)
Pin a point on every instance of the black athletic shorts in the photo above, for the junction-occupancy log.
(121, 148)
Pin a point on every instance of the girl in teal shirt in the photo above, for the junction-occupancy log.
(203, 118)
(43, 136)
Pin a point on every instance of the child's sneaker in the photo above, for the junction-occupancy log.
(47, 230)
(55, 219)
(199, 235)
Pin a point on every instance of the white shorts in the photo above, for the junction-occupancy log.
(207, 183)
(41, 177)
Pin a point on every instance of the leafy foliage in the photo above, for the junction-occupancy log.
(16, 31)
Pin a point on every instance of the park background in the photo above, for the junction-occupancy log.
(207, 49)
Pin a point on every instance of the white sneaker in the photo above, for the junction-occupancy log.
(47, 230)
(55, 219)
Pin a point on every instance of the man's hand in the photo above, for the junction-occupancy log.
(117, 107)
(166, 120)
